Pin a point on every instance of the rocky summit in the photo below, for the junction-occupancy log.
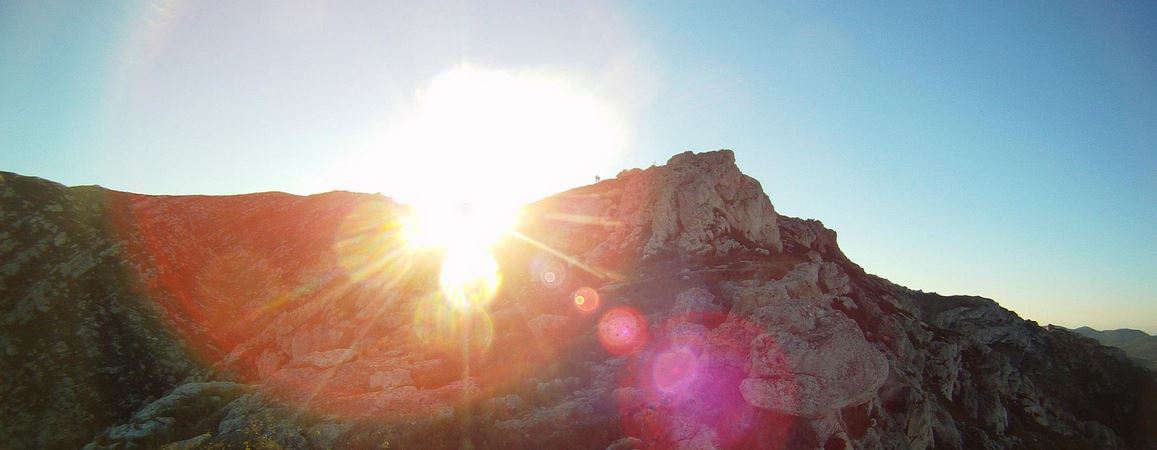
(669, 307)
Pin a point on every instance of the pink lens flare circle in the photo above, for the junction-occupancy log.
(674, 371)
(585, 299)
(622, 331)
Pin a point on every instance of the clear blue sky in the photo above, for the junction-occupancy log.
(1004, 150)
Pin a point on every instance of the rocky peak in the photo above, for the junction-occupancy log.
(703, 205)
(698, 204)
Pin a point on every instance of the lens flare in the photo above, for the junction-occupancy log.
(586, 299)
(549, 272)
(495, 140)
(622, 331)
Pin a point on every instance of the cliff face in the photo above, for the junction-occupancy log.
(668, 307)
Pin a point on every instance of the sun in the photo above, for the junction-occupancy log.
(465, 234)
(479, 144)
(458, 226)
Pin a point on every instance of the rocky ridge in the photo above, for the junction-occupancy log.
(285, 321)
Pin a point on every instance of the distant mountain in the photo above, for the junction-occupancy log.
(1136, 343)
(671, 307)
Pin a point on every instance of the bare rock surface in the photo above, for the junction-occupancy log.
(703, 203)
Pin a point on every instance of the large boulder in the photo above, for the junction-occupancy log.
(810, 360)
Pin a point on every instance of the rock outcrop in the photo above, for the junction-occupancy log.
(703, 204)
(696, 205)
(812, 359)
(670, 307)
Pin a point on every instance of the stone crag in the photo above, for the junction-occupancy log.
(278, 321)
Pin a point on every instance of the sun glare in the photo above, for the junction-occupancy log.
(478, 145)
(454, 227)
(466, 235)
(469, 279)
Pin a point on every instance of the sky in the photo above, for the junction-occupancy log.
(1002, 150)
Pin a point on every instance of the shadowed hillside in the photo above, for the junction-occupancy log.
(1136, 343)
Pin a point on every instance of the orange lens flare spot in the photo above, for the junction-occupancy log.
(622, 331)
(586, 299)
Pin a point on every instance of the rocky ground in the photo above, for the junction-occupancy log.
(707, 321)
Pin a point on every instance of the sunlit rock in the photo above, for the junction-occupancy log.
(703, 202)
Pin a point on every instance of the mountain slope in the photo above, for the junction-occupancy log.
(82, 346)
(706, 320)
(1136, 343)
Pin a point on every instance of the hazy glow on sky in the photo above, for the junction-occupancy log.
(997, 150)
(492, 135)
